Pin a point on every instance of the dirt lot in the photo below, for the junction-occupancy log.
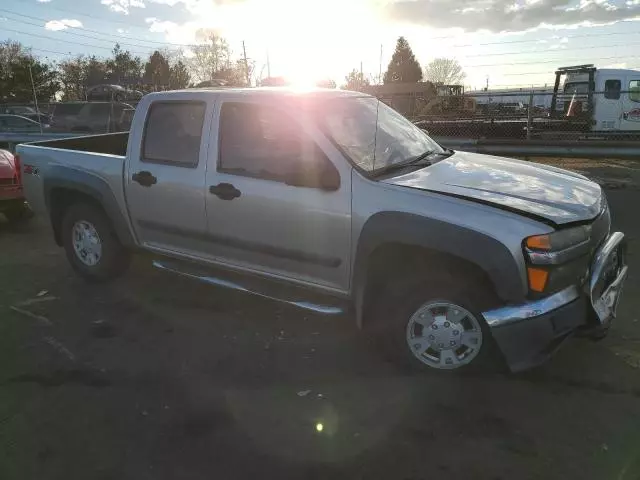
(155, 377)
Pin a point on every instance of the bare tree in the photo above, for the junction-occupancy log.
(445, 71)
(210, 58)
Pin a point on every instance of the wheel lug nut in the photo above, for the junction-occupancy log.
(446, 324)
(452, 343)
(456, 332)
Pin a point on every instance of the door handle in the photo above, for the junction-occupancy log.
(144, 178)
(225, 191)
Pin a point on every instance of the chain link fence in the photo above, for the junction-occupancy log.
(612, 115)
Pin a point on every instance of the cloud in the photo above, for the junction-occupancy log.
(511, 15)
(122, 30)
(63, 24)
(616, 65)
(122, 6)
(183, 34)
(43, 1)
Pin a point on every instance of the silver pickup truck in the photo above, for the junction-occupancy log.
(332, 202)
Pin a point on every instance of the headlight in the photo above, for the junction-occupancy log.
(544, 252)
(560, 240)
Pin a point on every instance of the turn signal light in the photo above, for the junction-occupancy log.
(537, 279)
(539, 242)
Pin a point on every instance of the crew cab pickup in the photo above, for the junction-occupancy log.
(332, 201)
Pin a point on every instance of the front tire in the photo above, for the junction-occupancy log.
(435, 325)
(91, 244)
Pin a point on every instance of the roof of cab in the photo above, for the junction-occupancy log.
(270, 92)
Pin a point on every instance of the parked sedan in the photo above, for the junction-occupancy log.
(26, 112)
(18, 124)
(112, 93)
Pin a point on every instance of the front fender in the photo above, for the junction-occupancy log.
(489, 254)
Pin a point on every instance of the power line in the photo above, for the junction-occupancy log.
(49, 6)
(92, 31)
(67, 41)
(626, 57)
(66, 31)
(444, 37)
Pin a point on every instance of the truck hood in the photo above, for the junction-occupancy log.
(7, 169)
(547, 193)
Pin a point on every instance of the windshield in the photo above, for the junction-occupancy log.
(578, 87)
(351, 124)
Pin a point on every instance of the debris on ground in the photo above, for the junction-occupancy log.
(60, 348)
(304, 393)
(39, 318)
(35, 300)
(42, 293)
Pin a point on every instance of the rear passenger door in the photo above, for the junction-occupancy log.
(165, 180)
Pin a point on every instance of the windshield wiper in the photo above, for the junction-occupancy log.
(419, 160)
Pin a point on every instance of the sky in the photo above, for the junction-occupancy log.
(500, 42)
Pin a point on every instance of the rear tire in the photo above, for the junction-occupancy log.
(435, 324)
(91, 244)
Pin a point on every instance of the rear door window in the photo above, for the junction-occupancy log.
(173, 133)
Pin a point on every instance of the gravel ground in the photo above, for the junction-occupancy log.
(157, 377)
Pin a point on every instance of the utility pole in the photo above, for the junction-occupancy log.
(246, 65)
(361, 79)
(380, 67)
(268, 65)
(35, 97)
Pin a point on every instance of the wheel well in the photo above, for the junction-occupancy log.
(60, 200)
(397, 259)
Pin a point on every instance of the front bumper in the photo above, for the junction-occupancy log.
(529, 333)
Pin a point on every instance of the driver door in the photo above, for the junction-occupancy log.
(258, 216)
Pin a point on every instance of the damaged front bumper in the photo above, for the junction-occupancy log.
(527, 334)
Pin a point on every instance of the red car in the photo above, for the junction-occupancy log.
(12, 202)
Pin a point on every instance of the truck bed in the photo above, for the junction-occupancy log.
(109, 143)
(97, 157)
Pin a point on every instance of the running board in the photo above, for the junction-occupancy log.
(220, 282)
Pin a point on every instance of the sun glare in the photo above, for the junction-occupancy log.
(307, 41)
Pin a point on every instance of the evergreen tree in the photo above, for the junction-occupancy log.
(403, 67)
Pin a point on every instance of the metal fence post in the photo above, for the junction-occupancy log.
(530, 116)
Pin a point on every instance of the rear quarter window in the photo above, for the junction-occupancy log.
(173, 133)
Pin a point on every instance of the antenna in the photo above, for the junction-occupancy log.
(35, 98)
